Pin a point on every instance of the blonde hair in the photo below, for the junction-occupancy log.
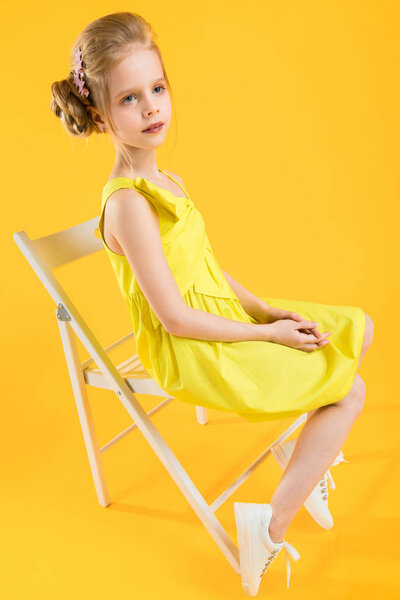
(103, 42)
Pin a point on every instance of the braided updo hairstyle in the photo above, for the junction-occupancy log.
(103, 42)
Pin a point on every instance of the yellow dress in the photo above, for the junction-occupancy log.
(257, 380)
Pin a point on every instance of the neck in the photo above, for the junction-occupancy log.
(144, 164)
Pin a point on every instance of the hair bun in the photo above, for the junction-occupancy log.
(70, 107)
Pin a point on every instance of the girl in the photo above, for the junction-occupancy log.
(202, 336)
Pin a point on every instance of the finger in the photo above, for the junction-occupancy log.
(311, 347)
(323, 336)
(316, 332)
(307, 324)
(311, 338)
(308, 338)
(295, 316)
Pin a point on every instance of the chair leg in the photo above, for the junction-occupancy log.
(179, 475)
(201, 414)
(84, 412)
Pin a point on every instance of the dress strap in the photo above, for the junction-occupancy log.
(176, 181)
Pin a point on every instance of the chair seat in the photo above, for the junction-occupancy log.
(134, 373)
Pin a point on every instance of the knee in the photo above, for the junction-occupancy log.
(369, 331)
(356, 398)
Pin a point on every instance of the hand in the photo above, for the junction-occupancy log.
(295, 334)
(271, 314)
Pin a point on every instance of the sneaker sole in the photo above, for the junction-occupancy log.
(244, 547)
(244, 550)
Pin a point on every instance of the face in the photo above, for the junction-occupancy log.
(138, 98)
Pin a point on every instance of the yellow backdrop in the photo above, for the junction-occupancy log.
(294, 108)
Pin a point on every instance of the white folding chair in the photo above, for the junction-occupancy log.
(125, 379)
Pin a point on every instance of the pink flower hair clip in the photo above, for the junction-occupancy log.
(79, 79)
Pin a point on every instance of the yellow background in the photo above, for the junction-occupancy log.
(286, 133)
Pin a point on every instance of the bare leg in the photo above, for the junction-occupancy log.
(318, 444)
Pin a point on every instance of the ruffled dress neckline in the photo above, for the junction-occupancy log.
(142, 182)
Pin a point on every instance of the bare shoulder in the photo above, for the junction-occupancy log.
(128, 201)
(126, 207)
(124, 196)
(176, 176)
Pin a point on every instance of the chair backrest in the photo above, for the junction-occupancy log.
(51, 251)
(60, 248)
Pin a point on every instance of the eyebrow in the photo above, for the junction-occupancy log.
(130, 89)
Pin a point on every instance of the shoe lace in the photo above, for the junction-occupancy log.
(340, 458)
(289, 550)
(324, 487)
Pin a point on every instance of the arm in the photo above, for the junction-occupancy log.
(254, 306)
(260, 310)
(134, 223)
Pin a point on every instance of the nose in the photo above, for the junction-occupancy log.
(152, 110)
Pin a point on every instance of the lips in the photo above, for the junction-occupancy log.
(154, 125)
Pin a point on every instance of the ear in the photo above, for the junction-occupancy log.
(97, 119)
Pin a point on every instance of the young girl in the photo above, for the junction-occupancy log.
(202, 336)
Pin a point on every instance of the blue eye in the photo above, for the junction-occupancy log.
(132, 95)
(123, 101)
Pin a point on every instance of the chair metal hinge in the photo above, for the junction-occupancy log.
(62, 313)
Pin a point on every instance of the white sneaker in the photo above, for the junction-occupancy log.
(317, 502)
(256, 549)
